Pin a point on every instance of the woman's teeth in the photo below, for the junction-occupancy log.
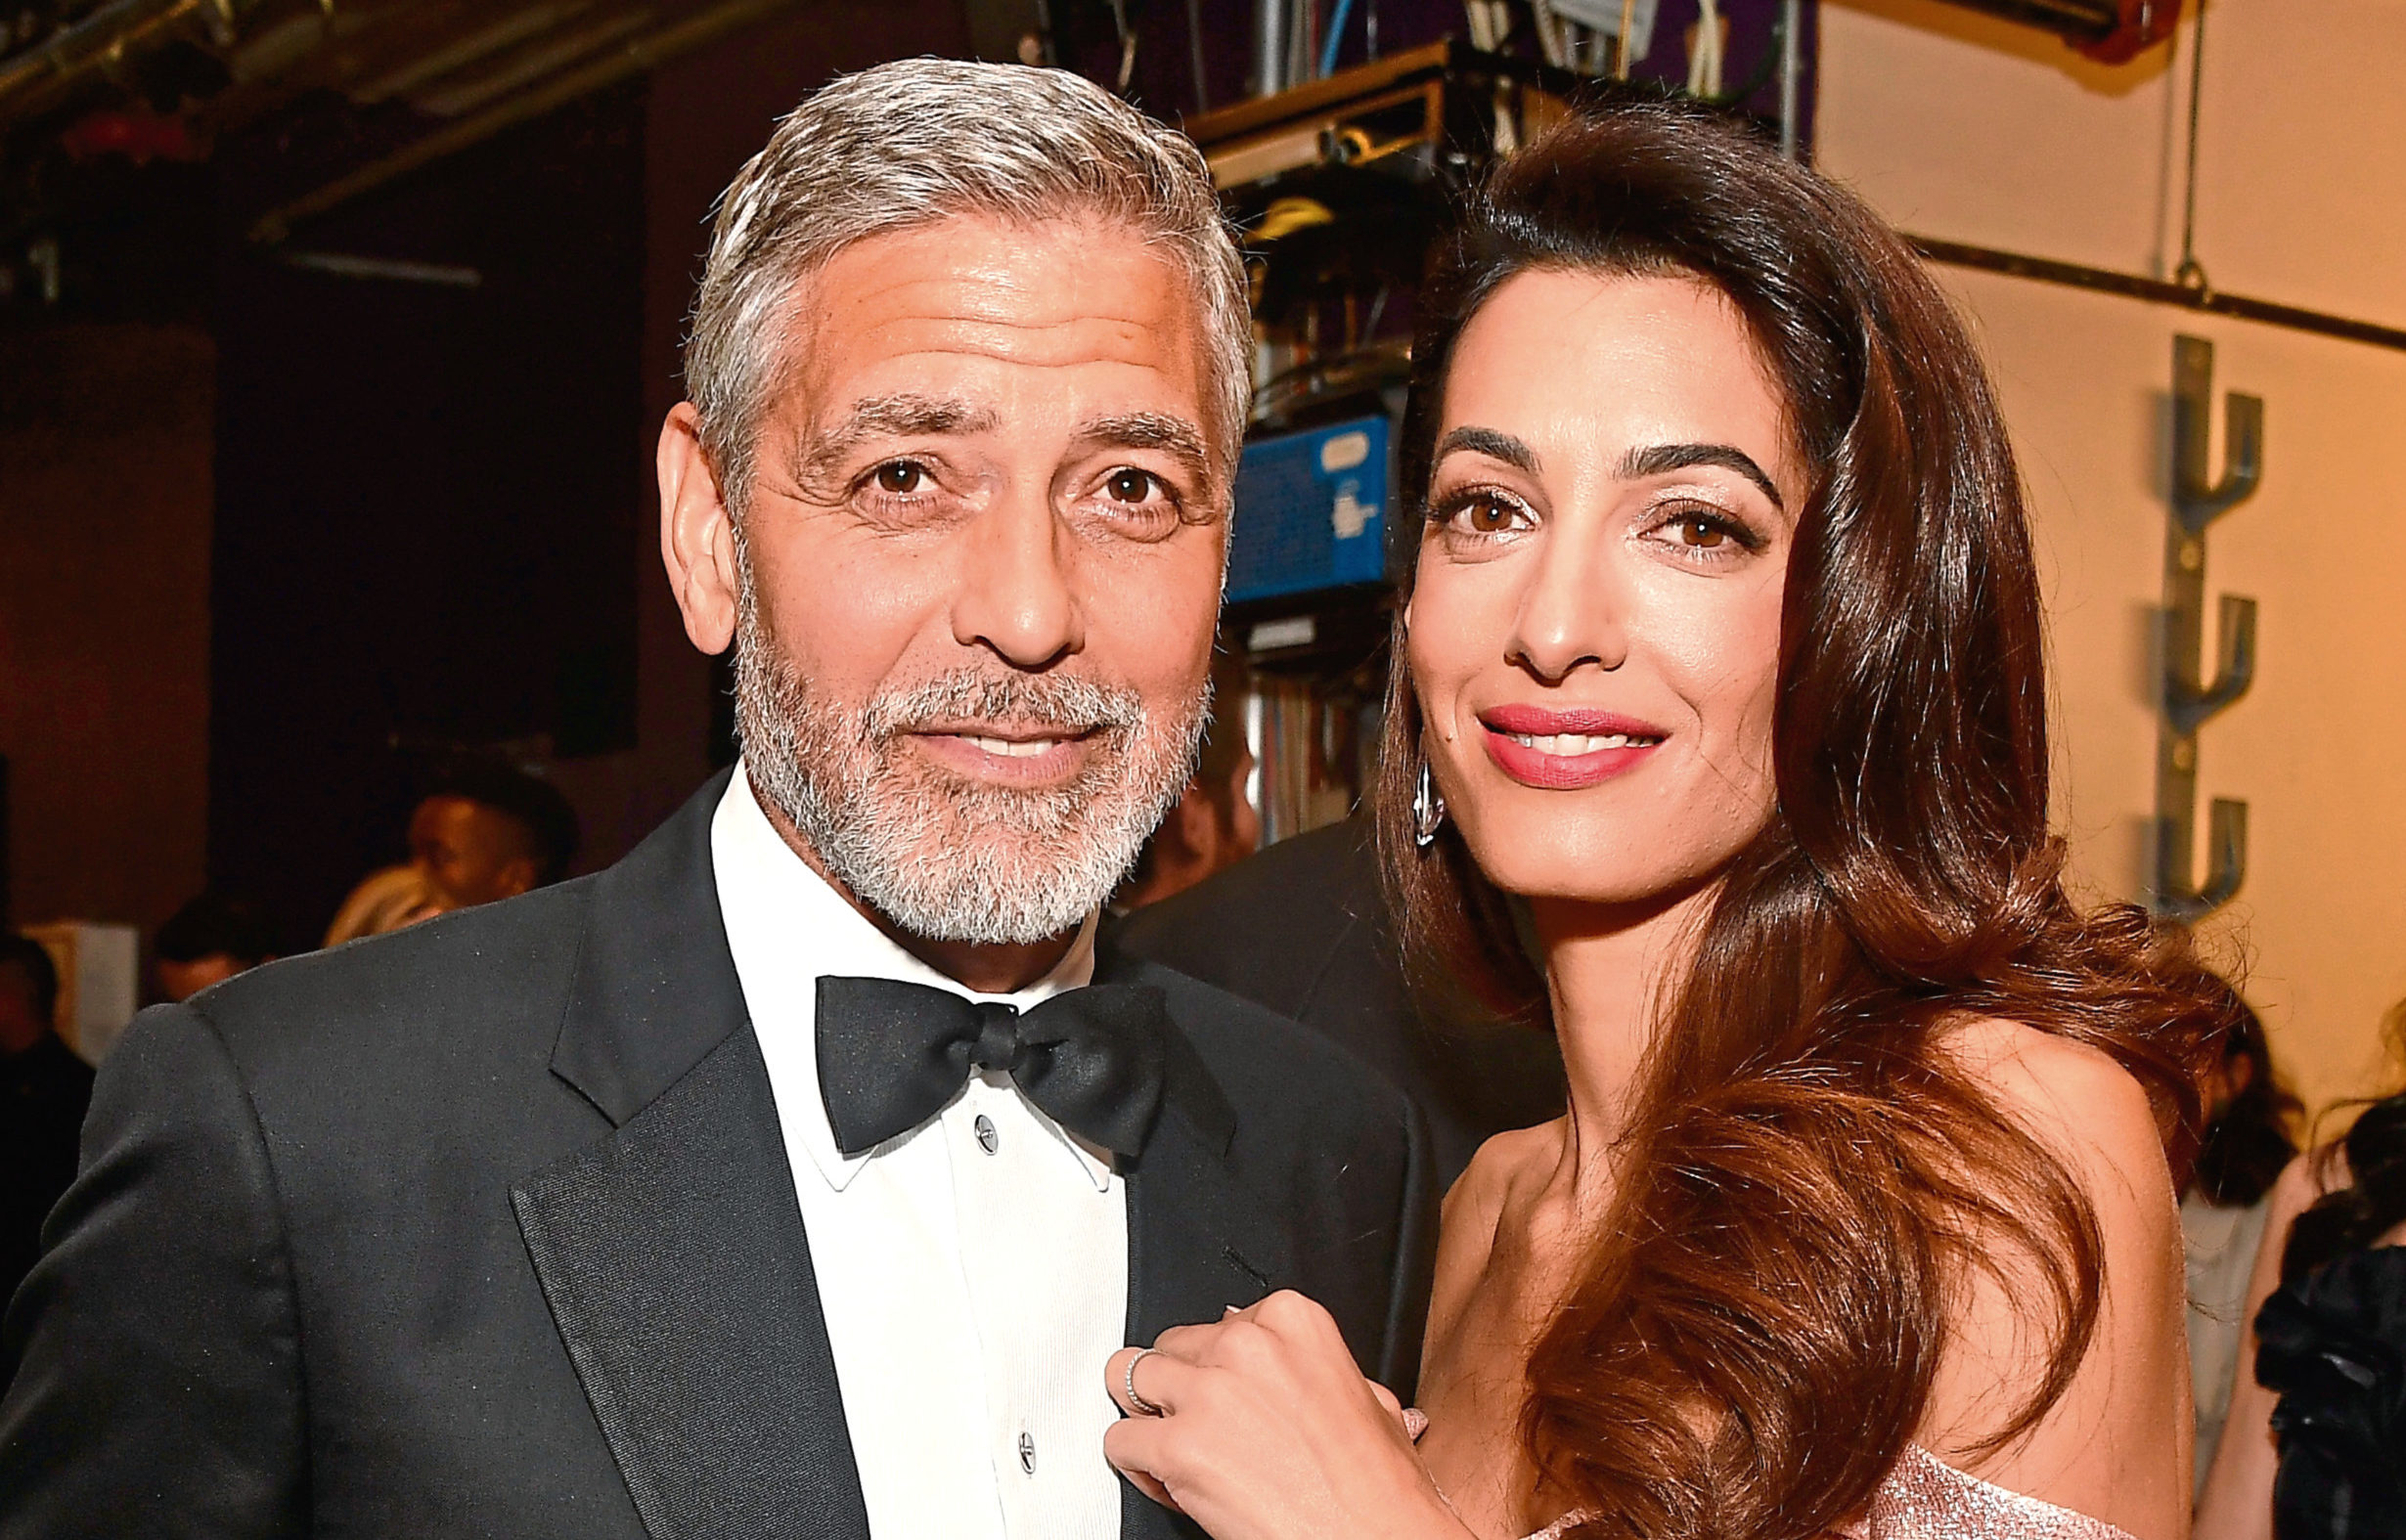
(1009, 749)
(1570, 745)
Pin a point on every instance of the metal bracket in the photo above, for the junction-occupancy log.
(2188, 700)
(2198, 499)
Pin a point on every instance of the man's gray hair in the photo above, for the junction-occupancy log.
(910, 142)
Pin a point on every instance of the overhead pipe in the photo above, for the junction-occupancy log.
(2113, 31)
(627, 59)
(2158, 291)
(2088, 19)
(45, 73)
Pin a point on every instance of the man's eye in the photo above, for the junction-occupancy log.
(900, 477)
(1127, 485)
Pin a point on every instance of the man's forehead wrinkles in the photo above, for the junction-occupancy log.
(1039, 343)
(1134, 324)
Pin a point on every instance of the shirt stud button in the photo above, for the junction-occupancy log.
(1027, 1453)
(987, 1138)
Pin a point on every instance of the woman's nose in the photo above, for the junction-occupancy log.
(1573, 611)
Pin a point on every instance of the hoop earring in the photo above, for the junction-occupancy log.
(1428, 810)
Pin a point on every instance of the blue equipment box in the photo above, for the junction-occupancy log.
(1310, 511)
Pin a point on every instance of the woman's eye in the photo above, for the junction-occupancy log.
(900, 477)
(1703, 535)
(1699, 533)
(1484, 514)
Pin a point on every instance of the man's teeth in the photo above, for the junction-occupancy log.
(1009, 749)
(1570, 745)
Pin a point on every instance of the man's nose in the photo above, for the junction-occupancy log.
(1017, 596)
(1574, 610)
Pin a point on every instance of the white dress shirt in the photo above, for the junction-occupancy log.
(974, 1271)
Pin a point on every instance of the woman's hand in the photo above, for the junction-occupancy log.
(1265, 1430)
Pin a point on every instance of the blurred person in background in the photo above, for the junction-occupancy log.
(2314, 1445)
(44, 1091)
(1214, 824)
(490, 831)
(486, 831)
(2248, 1116)
(208, 941)
(386, 900)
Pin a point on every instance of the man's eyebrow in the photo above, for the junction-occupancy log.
(1660, 460)
(1174, 436)
(1493, 445)
(900, 416)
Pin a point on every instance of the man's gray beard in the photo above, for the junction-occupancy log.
(945, 857)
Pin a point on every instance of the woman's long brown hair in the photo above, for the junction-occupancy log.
(1808, 1182)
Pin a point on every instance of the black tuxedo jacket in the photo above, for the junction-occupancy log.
(1303, 928)
(486, 1228)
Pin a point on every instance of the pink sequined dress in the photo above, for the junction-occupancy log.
(1925, 1499)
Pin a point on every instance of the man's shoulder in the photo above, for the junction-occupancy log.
(1274, 926)
(1321, 883)
(474, 971)
(1262, 1058)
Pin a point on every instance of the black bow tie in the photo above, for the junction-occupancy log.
(891, 1054)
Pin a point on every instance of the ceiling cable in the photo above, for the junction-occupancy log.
(2191, 274)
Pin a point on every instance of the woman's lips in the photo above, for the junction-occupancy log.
(1563, 750)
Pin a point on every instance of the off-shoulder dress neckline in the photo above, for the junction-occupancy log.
(1927, 1499)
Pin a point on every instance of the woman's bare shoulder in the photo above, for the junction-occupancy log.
(2064, 1092)
(1508, 1161)
(2112, 1446)
(2095, 1119)
(1500, 1164)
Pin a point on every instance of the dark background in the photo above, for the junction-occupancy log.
(272, 537)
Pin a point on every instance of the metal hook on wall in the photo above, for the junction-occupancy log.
(2190, 699)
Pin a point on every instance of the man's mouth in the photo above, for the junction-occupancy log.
(1010, 753)
(1009, 748)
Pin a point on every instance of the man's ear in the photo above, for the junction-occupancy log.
(698, 534)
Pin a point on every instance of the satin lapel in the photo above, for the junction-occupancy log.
(672, 1251)
(674, 1258)
(655, 985)
(1199, 1240)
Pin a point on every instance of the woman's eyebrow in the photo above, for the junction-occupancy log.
(1493, 445)
(1658, 460)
